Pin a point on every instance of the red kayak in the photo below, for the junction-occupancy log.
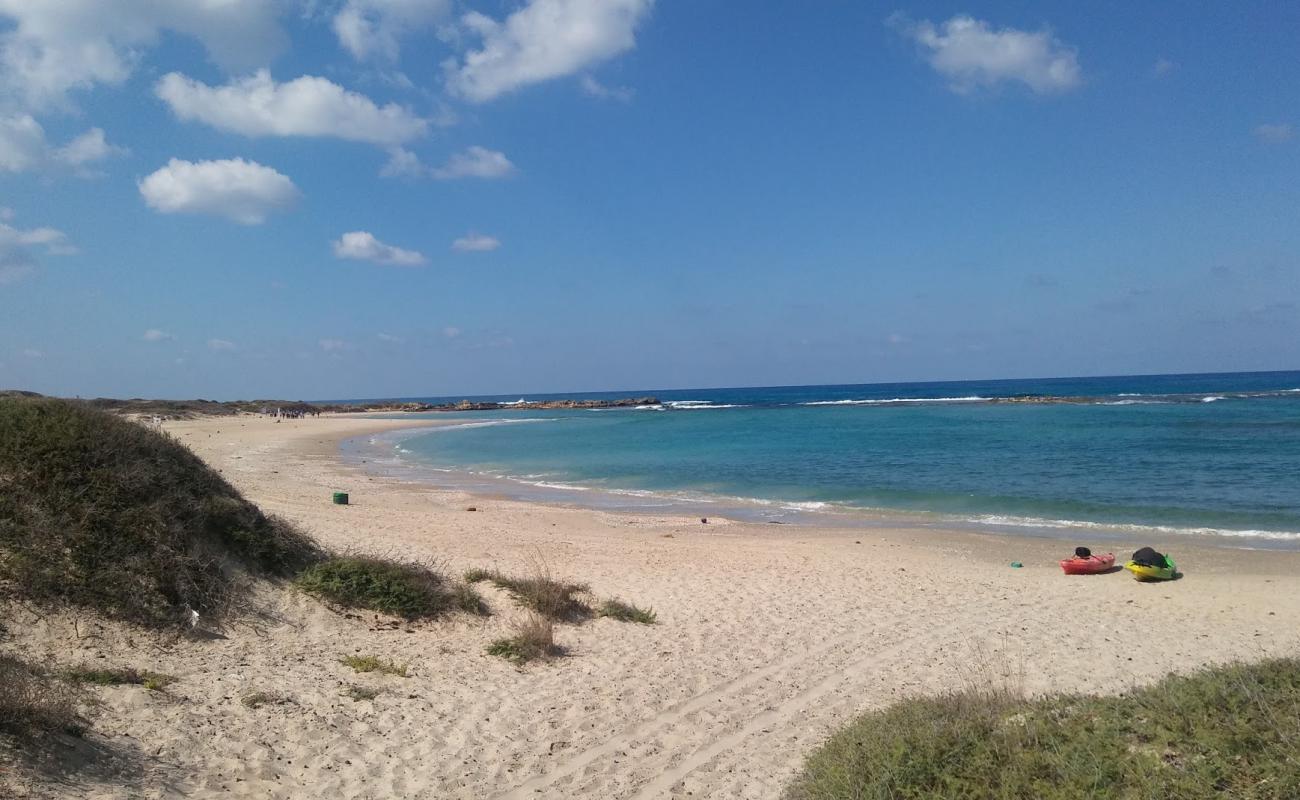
(1088, 566)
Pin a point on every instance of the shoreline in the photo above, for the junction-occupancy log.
(370, 451)
(768, 639)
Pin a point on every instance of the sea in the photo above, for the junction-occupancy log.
(1125, 458)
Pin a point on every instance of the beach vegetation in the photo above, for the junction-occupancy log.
(1230, 731)
(34, 703)
(407, 589)
(358, 693)
(374, 664)
(260, 698)
(101, 513)
(119, 676)
(540, 592)
(533, 639)
(626, 612)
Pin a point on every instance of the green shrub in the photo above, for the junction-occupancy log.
(626, 612)
(102, 513)
(401, 589)
(1227, 732)
(374, 664)
(119, 676)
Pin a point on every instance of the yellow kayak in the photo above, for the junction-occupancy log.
(1144, 573)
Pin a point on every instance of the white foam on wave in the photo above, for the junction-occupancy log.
(691, 405)
(896, 401)
(571, 487)
(489, 423)
(1036, 522)
(1212, 398)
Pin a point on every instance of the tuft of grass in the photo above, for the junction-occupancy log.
(259, 699)
(539, 592)
(626, 612)
(1230, 731)
(374, 664)
(358, 693)
(533, 639)
(33, 703)
(403, 589)
(478, 575)
(100, 513)
(119, 676)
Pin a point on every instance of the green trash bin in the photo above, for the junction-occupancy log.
(340, 498)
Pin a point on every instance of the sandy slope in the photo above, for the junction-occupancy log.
(769, 637)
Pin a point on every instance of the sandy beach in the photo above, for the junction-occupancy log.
(769, 637)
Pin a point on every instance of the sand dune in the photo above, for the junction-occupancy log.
(768, 638)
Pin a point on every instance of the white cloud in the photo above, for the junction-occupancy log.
(543, 40)
(16, 258)
(390, 338)
(1275, 133)
(451, 332)
(306, 106)
(155, 335)
(334, 345)
(219, 345)
(363, 246)
(1163, 67)
(896, 339)
(594, 88)
(23, 147)
(32, 352)
(242, 191)
(973, 55)
(475, 243)
(52, 47)
(371, 28)
(475, 162)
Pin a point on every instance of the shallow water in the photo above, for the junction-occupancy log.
(1215, 455)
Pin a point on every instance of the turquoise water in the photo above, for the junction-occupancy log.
(1212, 454)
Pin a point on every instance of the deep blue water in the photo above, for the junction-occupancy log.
(1210, 453)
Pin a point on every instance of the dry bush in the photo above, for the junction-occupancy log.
(33, 703)
(540, 592)
(533, 639)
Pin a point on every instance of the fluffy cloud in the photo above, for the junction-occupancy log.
(451, 332)
(390, 338)
(973, 55)
(242, 191)
(51, 47)
(219, 345)
(475, 243)
(17, 259)
(306, 106)
(474, 162)
(23, 147)
(371, 28)
(543, 40)
(363, 246)
(1275, 133)
(155, 335)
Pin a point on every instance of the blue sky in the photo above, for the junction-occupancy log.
(346, 198)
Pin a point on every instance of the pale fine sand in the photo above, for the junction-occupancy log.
(769, 637)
